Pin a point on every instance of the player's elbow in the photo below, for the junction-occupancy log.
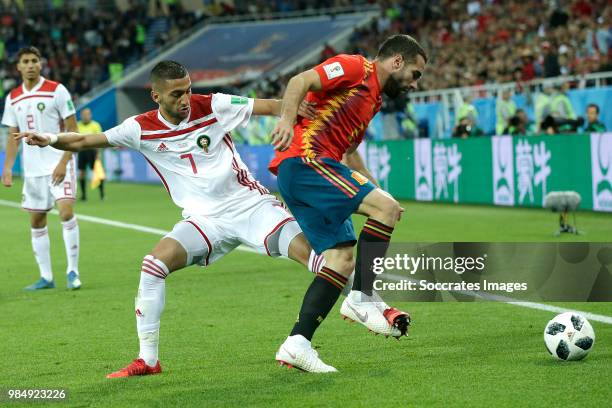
(302, 81)
(296, 81)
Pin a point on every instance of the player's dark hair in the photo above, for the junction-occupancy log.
(28, 50)
(401, 44)
(167, 69)
(593, 105)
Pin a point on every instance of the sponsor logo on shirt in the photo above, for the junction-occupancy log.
(40, 106)
(162, 147)
(333, 70)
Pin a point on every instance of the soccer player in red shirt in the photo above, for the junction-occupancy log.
(324, 181)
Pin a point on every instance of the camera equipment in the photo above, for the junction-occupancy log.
(562, 125)
(564, 202)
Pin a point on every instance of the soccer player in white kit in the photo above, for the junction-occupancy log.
(40, 105)
(187, 143)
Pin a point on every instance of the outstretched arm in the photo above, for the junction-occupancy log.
(70, 125)
(272, 107)
(73, 142)
(296, 90)
(266, 107)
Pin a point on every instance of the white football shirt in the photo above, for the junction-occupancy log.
(40, 109)
(196, 160)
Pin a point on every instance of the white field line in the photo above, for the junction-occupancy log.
(510, 301)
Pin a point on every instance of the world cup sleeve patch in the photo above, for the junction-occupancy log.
(361, 179)
(333, 70)
(239, 100)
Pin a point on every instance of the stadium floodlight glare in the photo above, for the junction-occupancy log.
(564, 202)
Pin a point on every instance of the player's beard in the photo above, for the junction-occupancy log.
(392, 87)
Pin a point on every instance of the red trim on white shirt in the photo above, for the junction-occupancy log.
(242, 174)
(45, 86)
(163, 180)
(150, 121)
(178, 132)
(201, 106)
(16, 92)
(32, 96)
(48, 86)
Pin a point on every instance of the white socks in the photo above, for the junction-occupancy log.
(41, 246)
(315, 262)
(149, 306)
(70, 230)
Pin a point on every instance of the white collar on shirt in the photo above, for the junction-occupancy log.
(38, 85)
(171, 125)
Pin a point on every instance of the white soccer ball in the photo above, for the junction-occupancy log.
(569, 336)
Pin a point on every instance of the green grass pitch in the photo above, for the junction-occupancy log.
(222, 325)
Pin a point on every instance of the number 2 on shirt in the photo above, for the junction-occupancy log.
(190, 158)
(30, 122)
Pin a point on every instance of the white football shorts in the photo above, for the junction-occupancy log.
(39, 193)
(207, 239)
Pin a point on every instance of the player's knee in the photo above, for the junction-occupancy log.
(66, 214)
(342, 262)
(388, 210)
(171, 253)
(38, 221)
(154, 266)
(348, 266)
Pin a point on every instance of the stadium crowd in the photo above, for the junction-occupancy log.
(82, 46)
(469, 42)
(473, 42)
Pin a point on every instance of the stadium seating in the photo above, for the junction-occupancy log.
(84, 47)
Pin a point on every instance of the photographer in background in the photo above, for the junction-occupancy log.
(561, 117)
(519, 124)
(466, 128)
(593, 124)
(552, 125)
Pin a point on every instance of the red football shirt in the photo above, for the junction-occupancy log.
(350, 97)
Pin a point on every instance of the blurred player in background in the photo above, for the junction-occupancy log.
(87, 158)
(40, 105)
(323, 193)
(187, 143)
